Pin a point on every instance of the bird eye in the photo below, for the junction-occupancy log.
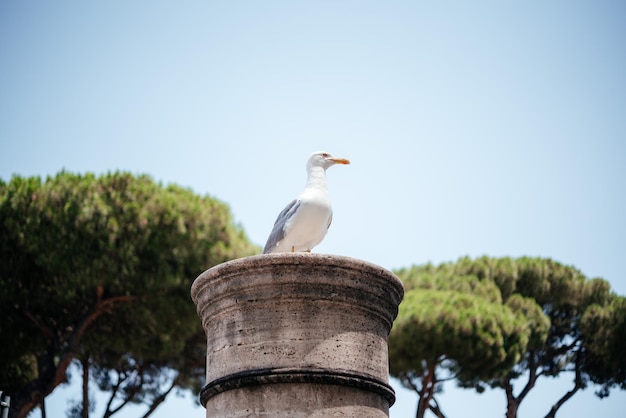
(325, 155)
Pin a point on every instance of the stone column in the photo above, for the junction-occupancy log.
(297, 335)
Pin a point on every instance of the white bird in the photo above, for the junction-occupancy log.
(304, 222)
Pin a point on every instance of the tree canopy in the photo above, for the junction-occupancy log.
(492, 321)
(97, 269)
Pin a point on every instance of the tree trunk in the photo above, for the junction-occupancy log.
(511, 409)
(427, 392)
(422, 406)
(85, 363)
(512, 403)
(54, 362)
(33, 394)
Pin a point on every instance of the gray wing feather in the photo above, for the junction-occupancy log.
(278, 232)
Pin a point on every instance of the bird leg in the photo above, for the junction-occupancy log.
(293, 248)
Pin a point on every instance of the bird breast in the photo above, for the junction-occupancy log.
(309, 225)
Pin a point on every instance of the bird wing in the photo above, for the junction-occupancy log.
(278, 232)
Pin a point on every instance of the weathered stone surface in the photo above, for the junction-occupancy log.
(312, 325)
(297, 401)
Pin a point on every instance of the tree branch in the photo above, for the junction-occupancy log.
(512, 401)
(409, 382)
(436, 409)
(532, 378)
(130, 394)
(47, 333)
(565, 348)
(78, 332)
(116, 387)
(159, 399)
(559, 351)
(577, 386)
(52, 364)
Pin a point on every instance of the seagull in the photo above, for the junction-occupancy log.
(304, 222)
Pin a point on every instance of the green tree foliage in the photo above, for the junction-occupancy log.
(98, 269)
(454, 322)
(494, 321)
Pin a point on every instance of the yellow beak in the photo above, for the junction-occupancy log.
(339, 160)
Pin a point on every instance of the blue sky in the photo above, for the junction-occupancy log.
(492, 127)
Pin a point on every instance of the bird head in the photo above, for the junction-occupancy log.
(324, 160)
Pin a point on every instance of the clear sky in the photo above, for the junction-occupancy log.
(487, 127)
